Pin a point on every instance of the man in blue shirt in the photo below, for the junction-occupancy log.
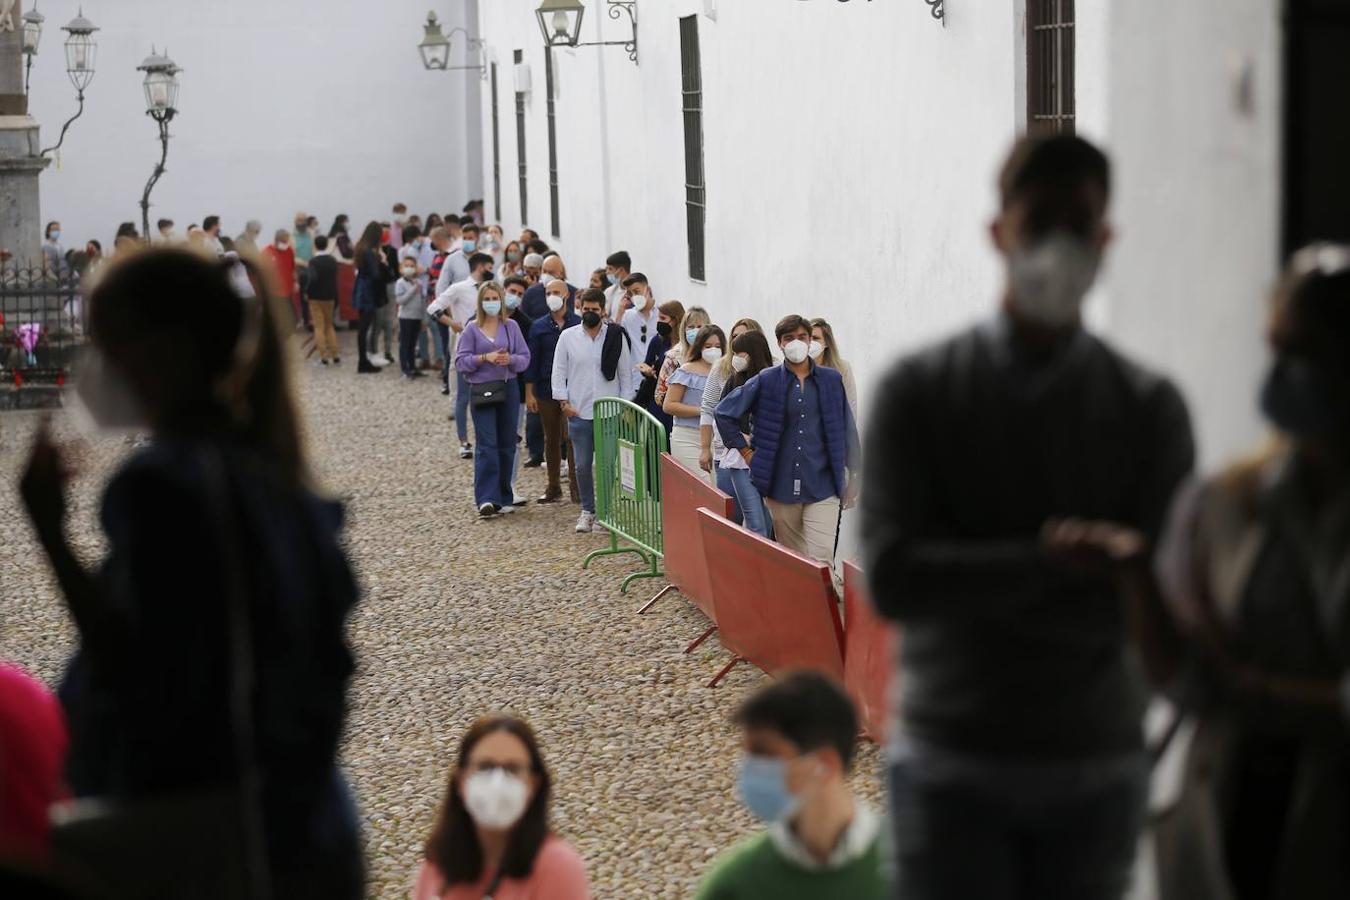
(543, 340)
(805, 452)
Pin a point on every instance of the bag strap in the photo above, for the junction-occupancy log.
(240, 665)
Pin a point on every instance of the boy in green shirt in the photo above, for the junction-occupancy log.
(821, 844)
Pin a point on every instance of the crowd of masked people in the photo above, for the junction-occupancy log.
(1031, 519)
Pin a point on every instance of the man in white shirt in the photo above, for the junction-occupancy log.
(637, 315)
(456, 267)
(618, 266)
(455, 308)
(584, 354)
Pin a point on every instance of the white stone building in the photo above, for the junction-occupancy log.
(849, 149)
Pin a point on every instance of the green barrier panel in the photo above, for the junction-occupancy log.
(629, 442)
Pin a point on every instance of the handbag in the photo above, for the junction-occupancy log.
(204, 844)
(488, 393)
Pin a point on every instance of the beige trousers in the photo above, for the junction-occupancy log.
(325, 337)
(807, 528)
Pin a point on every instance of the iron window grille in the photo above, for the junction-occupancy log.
(520, 149)
(552, 145)
(1050, 67)
(695, 191)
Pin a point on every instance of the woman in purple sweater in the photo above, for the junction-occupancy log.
(491, 352)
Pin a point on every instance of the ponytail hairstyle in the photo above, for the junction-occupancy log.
(206, 339)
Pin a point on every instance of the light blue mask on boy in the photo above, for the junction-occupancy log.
(762, 784)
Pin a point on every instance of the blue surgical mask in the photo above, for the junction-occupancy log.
(55, 235)
(762, 785)
(512, 301)
(690, 334)
(469, 246)
(492, 307)
(609, 276)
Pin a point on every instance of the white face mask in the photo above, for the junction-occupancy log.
(740, 363)
(495, 799)
(795, 351)
(815, 350)
(1050, 279)
(555, 302)
(712, 354)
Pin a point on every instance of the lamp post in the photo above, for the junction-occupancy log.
(161, 104)
(81, 51)
(435, 48)
(560, 22)
(32, 36)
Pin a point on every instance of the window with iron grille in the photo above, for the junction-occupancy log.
(695, 192)
(496, 152)
(552, 145)
(1050, 66)
(520, 149)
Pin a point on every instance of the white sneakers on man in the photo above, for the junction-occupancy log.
(585, 522)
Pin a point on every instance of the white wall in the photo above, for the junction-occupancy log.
(1197, 208)
(307, 104)
(850, 152)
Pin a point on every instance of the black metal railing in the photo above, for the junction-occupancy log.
(42, 325)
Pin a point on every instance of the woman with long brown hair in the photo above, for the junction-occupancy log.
(824, 349)
(212, 655)
(492, 836)
(370, 293)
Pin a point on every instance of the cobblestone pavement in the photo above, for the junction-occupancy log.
(461, 617)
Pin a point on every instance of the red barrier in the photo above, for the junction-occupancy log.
(683, 493)
(775, 608)
(869, 648)
(346, 284)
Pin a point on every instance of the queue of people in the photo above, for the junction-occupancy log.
(1030, 519)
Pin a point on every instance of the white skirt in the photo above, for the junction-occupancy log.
(685, 445)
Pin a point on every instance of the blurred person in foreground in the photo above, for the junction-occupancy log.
(212, 639)
(492, 836)
(1251, 642)
(1019, 768)
(799, 735)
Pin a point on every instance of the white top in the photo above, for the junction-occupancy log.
(613, 299)
(633, 323)
(460, 299)
(576, 370)
(454, 270)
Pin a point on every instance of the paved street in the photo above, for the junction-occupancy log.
(461, 617)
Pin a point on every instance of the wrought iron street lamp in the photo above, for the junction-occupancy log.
(560, 22)
(435, 48)
(32, 36)
(161, 104)
(81, 52)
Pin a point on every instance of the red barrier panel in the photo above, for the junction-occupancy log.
(869, 648)
(775, 608)
(346, 284)
(683, 493)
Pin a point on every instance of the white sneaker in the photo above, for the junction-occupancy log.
(585, 522)
(506, 509)
(597, 527)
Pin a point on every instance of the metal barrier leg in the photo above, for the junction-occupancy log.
(654, 572)
(701, 638)
(726, 670)
(613, 550)
(659, 594)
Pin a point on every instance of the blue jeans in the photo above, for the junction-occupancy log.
(1015, 831)
(534, 435)
(753, 510)
(408, 330)
(494, 459)
(723, 480)
(582, 432)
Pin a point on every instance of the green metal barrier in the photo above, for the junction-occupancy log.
(629, 442)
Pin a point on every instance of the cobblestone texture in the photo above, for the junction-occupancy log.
(461, 617)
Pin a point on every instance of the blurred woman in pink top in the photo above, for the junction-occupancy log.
(492, 837)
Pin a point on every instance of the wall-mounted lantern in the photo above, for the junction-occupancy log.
(435, 48)
(560, 23)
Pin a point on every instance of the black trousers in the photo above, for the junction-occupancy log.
(364, 319)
